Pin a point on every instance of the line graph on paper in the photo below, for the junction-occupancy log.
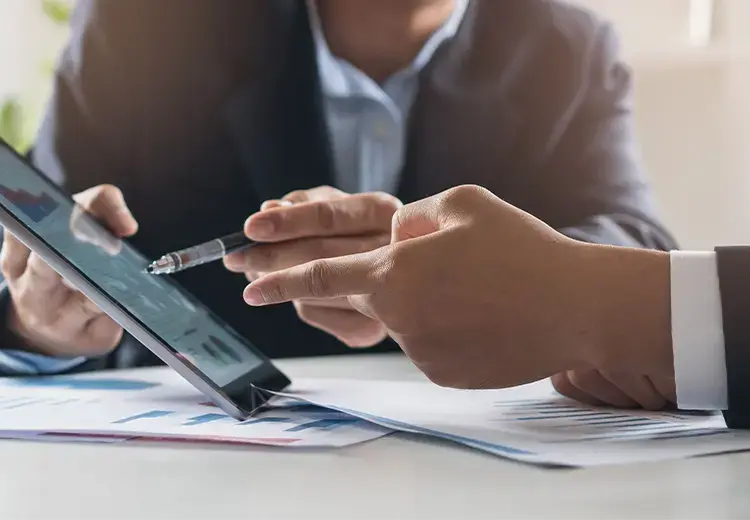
(14, 402)
(559, 420)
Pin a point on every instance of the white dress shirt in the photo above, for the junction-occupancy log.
(368, 122)
(697, 332)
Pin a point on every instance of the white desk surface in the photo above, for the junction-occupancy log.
(396, 477)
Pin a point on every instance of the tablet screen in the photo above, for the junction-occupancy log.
(118, 270)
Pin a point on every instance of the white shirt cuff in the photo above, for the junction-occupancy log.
(697, 332)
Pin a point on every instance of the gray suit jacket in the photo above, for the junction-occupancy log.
(201, 110)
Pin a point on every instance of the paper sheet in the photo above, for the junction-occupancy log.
(531, 423)
(157, 404)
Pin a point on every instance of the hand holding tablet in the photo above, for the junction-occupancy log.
(154, 309)
(47, 313)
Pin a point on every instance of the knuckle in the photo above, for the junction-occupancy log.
(260, 258)
(461, 197)
(295, 196)
(379, 209)
(386, 202)
(398, 219)
(325, 215)
(317, 278)
(274, 292)
(582, 380)
(33, 319)
(325, 192)
(24, 303)
(560, 383)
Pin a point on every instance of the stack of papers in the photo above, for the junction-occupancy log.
(157, 404)
(530, 423)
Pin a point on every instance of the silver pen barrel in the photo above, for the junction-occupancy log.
(187, 258)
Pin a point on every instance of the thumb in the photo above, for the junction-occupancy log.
(414, 220)
(429, 215)
(439, 212)
(107, 204)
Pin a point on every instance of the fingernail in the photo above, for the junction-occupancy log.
(270, 204)
(253, 296)
(261, 228)
(233, 261)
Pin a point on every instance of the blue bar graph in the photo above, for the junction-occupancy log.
(154, 414)
(261, 420)
(323, 424)
(568, 415)
(515, 402)
(688, 434)
(205, 418)
(79, 383)
(549, 406)
(645, 427)
(618, 420)
(571, 413)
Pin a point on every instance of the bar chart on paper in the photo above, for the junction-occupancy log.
(561, 421)
(284, 419)
(531, 423)
(78, 383)
(162, 407)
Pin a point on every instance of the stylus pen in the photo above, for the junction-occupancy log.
(201, 254)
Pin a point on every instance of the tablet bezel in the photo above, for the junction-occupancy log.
(240, 398)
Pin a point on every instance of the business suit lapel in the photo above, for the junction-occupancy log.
(277, 121)
(465, 119)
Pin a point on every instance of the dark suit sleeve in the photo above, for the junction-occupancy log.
(87, 131)
(590, 181)
(79, 133)
(733, 266)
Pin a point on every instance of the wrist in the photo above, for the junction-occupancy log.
(629, 303)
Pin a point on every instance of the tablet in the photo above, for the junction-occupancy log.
(155, 310)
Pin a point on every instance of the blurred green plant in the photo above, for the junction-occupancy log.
(16, 126)
(12, 126)
(57, 10)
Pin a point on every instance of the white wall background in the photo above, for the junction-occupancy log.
(693, 101)
(693, 111)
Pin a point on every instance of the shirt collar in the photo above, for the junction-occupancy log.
(333, 71)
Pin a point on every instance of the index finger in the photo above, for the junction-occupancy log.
(353, 215)
(326, 278)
